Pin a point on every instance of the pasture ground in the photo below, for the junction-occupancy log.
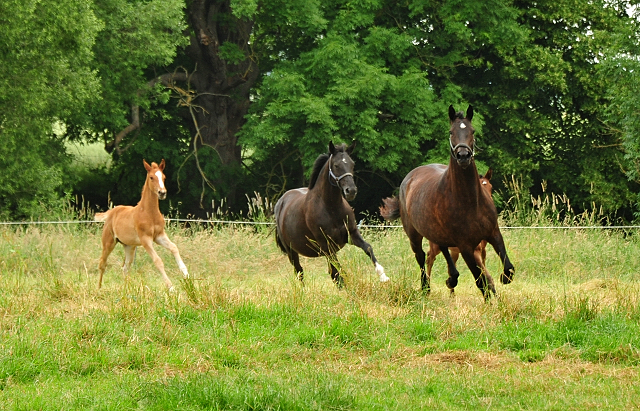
(243, 334)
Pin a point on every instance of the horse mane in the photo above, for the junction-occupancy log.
(320, 162)
(460, 115)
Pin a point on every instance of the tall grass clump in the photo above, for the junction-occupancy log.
(547, 209)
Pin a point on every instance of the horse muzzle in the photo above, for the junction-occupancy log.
(162, 194)
(350, 193)
(464, 156)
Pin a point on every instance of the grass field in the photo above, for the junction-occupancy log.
(243, 334)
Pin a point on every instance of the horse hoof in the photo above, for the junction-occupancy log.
(451, 283)
(506, 278)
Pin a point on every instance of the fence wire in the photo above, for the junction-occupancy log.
(360, 225)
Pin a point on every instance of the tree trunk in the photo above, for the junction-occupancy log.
(222, 87)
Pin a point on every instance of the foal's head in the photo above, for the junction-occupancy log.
(341, 169)
(155, 178)
(461, 139)
(485, 181)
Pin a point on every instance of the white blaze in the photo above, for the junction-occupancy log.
(160, 182)
(462, 125)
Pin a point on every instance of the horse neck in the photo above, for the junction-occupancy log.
(329, 193)
(465, 182)
(149, 201)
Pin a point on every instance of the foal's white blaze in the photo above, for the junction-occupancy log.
(462, 125)
(380, 272)
(159, 175)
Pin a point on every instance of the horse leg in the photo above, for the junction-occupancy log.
(415, 240)
(108, 244)
(455, 253)
(333, 270)
(498, 244)
(129, 256)
(294, 258)
(483, 280)
(164, 241)
(147, 243)
(358, 241)
(433, 252)
(452, 281)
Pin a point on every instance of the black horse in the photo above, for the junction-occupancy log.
(318, 221)
(448, 206)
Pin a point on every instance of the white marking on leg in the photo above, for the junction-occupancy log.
(380, 272)
(183, 268)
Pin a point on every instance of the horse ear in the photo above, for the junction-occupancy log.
(351, 147)
(146, 165)
(489, 174)
(452, 113)
(470, 113)
(332, 148)
(161, 166)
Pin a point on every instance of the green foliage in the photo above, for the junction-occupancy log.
(45, 75)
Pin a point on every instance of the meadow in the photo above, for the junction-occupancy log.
(244, 334)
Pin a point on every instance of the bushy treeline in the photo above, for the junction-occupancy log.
(242, 96)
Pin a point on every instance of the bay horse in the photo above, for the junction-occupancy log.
(481, 250)
(447, 205)
(317, 220)
(141, 225)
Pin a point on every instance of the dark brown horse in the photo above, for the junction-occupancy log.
(447, 205)
(318, 221)
(481, 250)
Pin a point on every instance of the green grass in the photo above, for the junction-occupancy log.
(243, 334)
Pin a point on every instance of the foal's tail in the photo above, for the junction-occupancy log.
(390, 210)
(100, 217)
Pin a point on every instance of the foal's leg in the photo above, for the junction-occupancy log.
(433, 252)
(164, 241)
(452, 281)
(358, 241)
(483, 280)
(498, 244)
(147, 243)
(129, 256)
(108, 244)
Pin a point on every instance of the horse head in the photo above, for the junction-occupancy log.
(461, 139)
(341, 170)
(155, 178)
(485, 181)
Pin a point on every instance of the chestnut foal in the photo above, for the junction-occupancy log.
(141, 225)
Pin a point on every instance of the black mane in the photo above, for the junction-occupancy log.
(320, 162)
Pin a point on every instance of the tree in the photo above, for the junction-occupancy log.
(45, 76)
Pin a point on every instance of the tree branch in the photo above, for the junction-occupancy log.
(168, 80)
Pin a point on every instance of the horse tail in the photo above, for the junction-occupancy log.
(390, 210)
(101, 217)
(277, 210)
(280, 243)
